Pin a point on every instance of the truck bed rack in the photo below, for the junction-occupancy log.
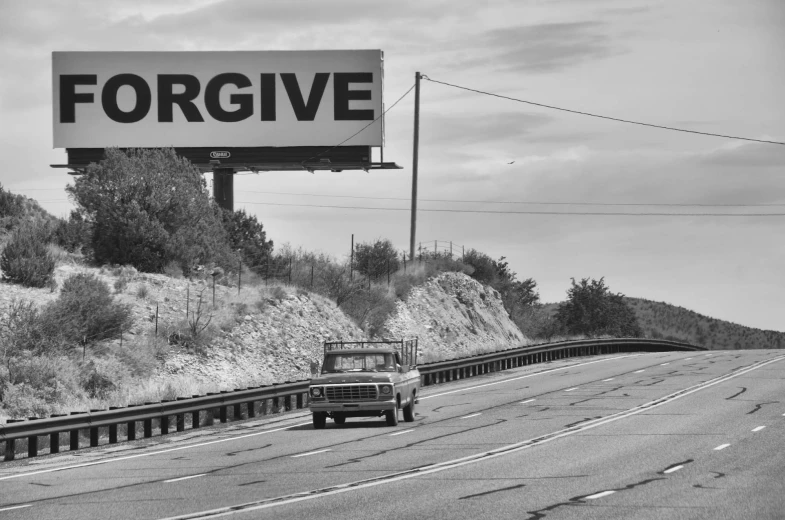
(406, 347)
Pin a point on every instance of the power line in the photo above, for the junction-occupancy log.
(602, 117)
(534, 203)
(580, 213)
(363, 128)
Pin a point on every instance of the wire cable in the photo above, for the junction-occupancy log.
(534, 203)
(580, 213)
(600, 116)
(363, 128)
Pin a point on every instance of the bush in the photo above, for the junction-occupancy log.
(593, 310)
(148, 208)
(26, 260)
(376, 259)
(85, 312)
(370, 309)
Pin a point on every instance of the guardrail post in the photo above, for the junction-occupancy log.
(112, 434)
(164, 422)
(209, 416)
(238, 412)
(276, 405)
(180, 422)
(130, 430)
(93, 436)
(223, 413)
(54, 442)
(299, 401)
(32, 446)
(74, 440)
(10, 449)
(195, 419)
(287, 402)
(148, 428)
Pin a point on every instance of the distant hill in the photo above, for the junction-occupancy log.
(660, 320)
(663, 320)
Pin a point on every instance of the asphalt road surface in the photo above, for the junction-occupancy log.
(641, 436)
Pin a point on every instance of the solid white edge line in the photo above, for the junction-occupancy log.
(310, 453)
(721, 447)
(599, 495)
(527, 401)
(528, 375)
(504, 450)
(674, 468)
(606, 380)
(400, 433)
(185, 478)
(135, 456)
(571, 389)
(758, 428)
(663, 364)
(14, 507)
(639, 371)
(471, 415)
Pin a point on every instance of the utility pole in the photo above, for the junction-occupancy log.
(414, 161)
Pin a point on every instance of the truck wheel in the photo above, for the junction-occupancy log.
(319, 420)
(339, 419)
(408, 411)
(392, 416)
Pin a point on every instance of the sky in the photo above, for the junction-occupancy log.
(715, 66)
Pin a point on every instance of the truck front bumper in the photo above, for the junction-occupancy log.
(365, 406)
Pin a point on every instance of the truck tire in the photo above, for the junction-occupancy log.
(319, 420)
(339, 419)
(392, 416)
(408, 411)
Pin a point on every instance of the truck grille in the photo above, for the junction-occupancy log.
(351, 393)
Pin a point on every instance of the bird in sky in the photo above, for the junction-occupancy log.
(510, 162)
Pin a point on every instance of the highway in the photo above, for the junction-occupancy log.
(647, 436)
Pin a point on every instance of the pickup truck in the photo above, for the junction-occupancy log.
(365, 379)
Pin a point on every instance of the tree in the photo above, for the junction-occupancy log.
(376, 259)
(150, 207)
(246, 234)
(592, 309)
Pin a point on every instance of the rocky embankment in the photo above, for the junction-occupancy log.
(453, 315)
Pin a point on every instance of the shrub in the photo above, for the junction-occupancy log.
(148, 208)
(142, 292)
(26, 260)
(592, 309)
(85, 312)
(370, 309)
(376, 259)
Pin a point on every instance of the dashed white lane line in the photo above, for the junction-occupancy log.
(638, 371)
(185, 478)
(472, 415)
(15, 507)
(400, 433)
(530, 400)
(310, 453)
(721, 447)
(758, 428)
(687, 358)
(571, 389)
(609, 379)
(674, 468)
(663, 364)
(599, 495)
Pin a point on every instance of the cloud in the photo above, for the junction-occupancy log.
(741, 154)
(547, 47)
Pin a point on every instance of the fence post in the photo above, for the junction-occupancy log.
(450, 249)
(388, 272)
(434, 246)
(156, 319)
(351, 261)
(311, 275)
(290, 271)
(239, 275)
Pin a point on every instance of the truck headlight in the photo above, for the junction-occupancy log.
(385, 390)
(316, 392)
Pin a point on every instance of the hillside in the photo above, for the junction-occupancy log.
(667, 321)
(663, 320)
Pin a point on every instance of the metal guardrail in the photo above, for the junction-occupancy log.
(203, 409)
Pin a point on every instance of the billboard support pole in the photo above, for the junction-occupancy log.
(415, 152)
(223, 187)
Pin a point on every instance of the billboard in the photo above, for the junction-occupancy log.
(216, 99)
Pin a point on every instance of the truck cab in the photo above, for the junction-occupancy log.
(365, 379)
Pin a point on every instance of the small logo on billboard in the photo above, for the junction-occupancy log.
(220, 155)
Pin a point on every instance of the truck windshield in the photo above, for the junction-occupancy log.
(359, 363)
